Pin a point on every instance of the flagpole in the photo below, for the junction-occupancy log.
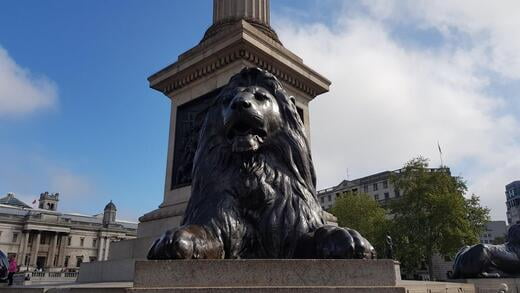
(440, 153)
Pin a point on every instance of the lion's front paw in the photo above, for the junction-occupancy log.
(337, 242)
(189, 242)
(173, 245)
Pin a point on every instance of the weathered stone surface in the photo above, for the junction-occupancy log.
(272, 273)
(107, 271)
(277, 290)
(131, 248)
(491, 285)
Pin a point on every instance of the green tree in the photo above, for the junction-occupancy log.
(361, 212)
(432, 216)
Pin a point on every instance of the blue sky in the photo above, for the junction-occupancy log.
(77, 116)
(104, 134)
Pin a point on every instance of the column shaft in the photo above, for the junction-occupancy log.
(257, 10)
(107, 248)
(22, 251)
(52, 250)
(61, 251)
(100, 249)
(35, 248)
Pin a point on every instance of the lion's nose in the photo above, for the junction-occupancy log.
(240, 102)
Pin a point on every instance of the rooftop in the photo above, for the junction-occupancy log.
(11, 200)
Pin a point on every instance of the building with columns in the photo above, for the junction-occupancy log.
(45, 238)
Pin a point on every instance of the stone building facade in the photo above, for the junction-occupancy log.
(513, 202)
(377, 185)
(44, 238)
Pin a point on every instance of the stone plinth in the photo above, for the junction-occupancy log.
(265, 273)
(281, 276)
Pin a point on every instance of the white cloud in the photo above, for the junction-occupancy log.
(490, 26)
(20, 91)
(28, 174)
(71, 185)
(390, 102)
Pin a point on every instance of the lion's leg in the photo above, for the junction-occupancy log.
(187, 242)
(472, 262)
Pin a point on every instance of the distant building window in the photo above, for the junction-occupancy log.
(66, 263)
(354, 191)
(92, 258)
(69, 241)
(365, 188)
(81, 241)
(329, 197)
(322, 199)
(79, 261)
(15, 237)
(387, 195)
(385, 184)
(374, 187)
(94, 242)
(376, 196)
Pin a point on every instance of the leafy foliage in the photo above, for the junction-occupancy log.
(361, 212)
(432, 216)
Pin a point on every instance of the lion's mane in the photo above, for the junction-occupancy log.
(257, 203)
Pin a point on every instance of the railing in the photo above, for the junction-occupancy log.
(32, 278)
(53, 276)
(38, 274)
(71, 274)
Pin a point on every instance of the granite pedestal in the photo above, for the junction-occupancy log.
(280, 276)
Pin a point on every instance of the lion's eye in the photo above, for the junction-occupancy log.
(260, 96)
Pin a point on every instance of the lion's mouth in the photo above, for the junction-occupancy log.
(245, 137)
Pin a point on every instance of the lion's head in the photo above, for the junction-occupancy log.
(251, 115)
(254, 116)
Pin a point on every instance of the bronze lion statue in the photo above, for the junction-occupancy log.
(254, 186)
(486, 260)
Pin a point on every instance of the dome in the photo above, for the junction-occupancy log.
(110, 206)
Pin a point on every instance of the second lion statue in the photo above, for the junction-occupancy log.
(254, 185)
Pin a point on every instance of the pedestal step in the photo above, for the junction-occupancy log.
(402, 287)
(276, 290)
